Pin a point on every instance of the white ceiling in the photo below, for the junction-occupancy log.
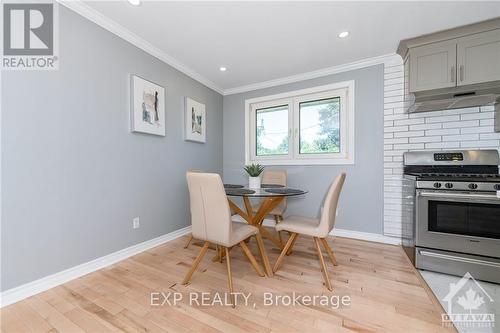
(261, 41)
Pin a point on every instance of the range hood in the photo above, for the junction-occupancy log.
(457, 98)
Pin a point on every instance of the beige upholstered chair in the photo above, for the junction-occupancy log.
(211, 222)
(316, 228)
(190, 239)
(275, 177)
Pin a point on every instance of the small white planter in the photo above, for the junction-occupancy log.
(254, 182)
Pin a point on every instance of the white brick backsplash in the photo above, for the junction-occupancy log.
(460, 124)
(480, 144)
(485, 129)
(396, 117)
(397, 140)
(393, 93)
(461, 137)
(393, 99)
(426, 139)
(469, 128)
(487, 122)
(408, 122)
(490, 136)
(392, 87)
(448, 131)
(395, 129)
(425, 127)
(408, 134)
(442, 145)
(442, 119)
(398, 80)
(482, 115)
(393, 75)
(487, 108)
(410, 146)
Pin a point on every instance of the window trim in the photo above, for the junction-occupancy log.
(293, 98)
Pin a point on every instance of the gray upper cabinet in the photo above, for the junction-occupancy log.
(455, 62)
(478, 58)
(433, 66)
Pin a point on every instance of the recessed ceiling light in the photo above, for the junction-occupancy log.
(343, 34)
(222, 69)
(135, 2)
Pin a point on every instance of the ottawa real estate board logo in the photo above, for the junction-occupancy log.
(29, 35)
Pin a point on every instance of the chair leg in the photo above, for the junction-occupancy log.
(291, 240)
(263, 255)
(189, 241)
(329, 251)
(251, 258)
(291, 246)
(196, 263)
(323, 266)
(278, 220)
(229, 276)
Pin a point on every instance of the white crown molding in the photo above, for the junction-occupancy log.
(32, 288)
(387, 59)
(93, 15)
(366, 236)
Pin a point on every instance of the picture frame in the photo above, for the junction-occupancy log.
(194, 121)
(147, 106)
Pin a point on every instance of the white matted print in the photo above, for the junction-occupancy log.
(147, 109)
(195, 127)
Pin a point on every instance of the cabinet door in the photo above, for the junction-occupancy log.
(433, 66)
(478, 58)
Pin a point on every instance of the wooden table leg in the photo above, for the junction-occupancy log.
(265, 233)
(266, 206)
(263, 254)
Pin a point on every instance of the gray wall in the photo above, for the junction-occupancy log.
(73, 176)
(361, 203)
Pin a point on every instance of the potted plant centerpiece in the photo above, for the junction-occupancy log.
(254, 171)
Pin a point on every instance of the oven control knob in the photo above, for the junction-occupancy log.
(437, 185)
(472, 186)
(448, 185)
(497, 187)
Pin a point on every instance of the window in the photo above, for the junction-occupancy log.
(311, 126)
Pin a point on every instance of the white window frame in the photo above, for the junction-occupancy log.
(344, 90)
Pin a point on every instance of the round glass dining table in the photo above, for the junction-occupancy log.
(271, 196)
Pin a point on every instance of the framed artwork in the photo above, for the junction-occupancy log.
(195, 121)
(147, 109)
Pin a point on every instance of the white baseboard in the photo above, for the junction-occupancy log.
(32, 288)
(367, 236)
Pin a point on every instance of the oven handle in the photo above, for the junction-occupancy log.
(461, 259)
(459, 195)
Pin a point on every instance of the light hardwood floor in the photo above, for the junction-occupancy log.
(387, 294)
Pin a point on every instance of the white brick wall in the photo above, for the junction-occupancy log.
(470, 128)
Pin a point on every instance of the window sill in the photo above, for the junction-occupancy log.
(318, 161)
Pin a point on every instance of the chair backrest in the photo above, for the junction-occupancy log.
(277, 177)
(210, 214)
(327, 220)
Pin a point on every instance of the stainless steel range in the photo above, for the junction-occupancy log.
(456, 211)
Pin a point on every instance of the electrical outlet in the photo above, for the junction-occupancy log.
(136, 223)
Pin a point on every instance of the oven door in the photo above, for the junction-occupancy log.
(458, 221)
